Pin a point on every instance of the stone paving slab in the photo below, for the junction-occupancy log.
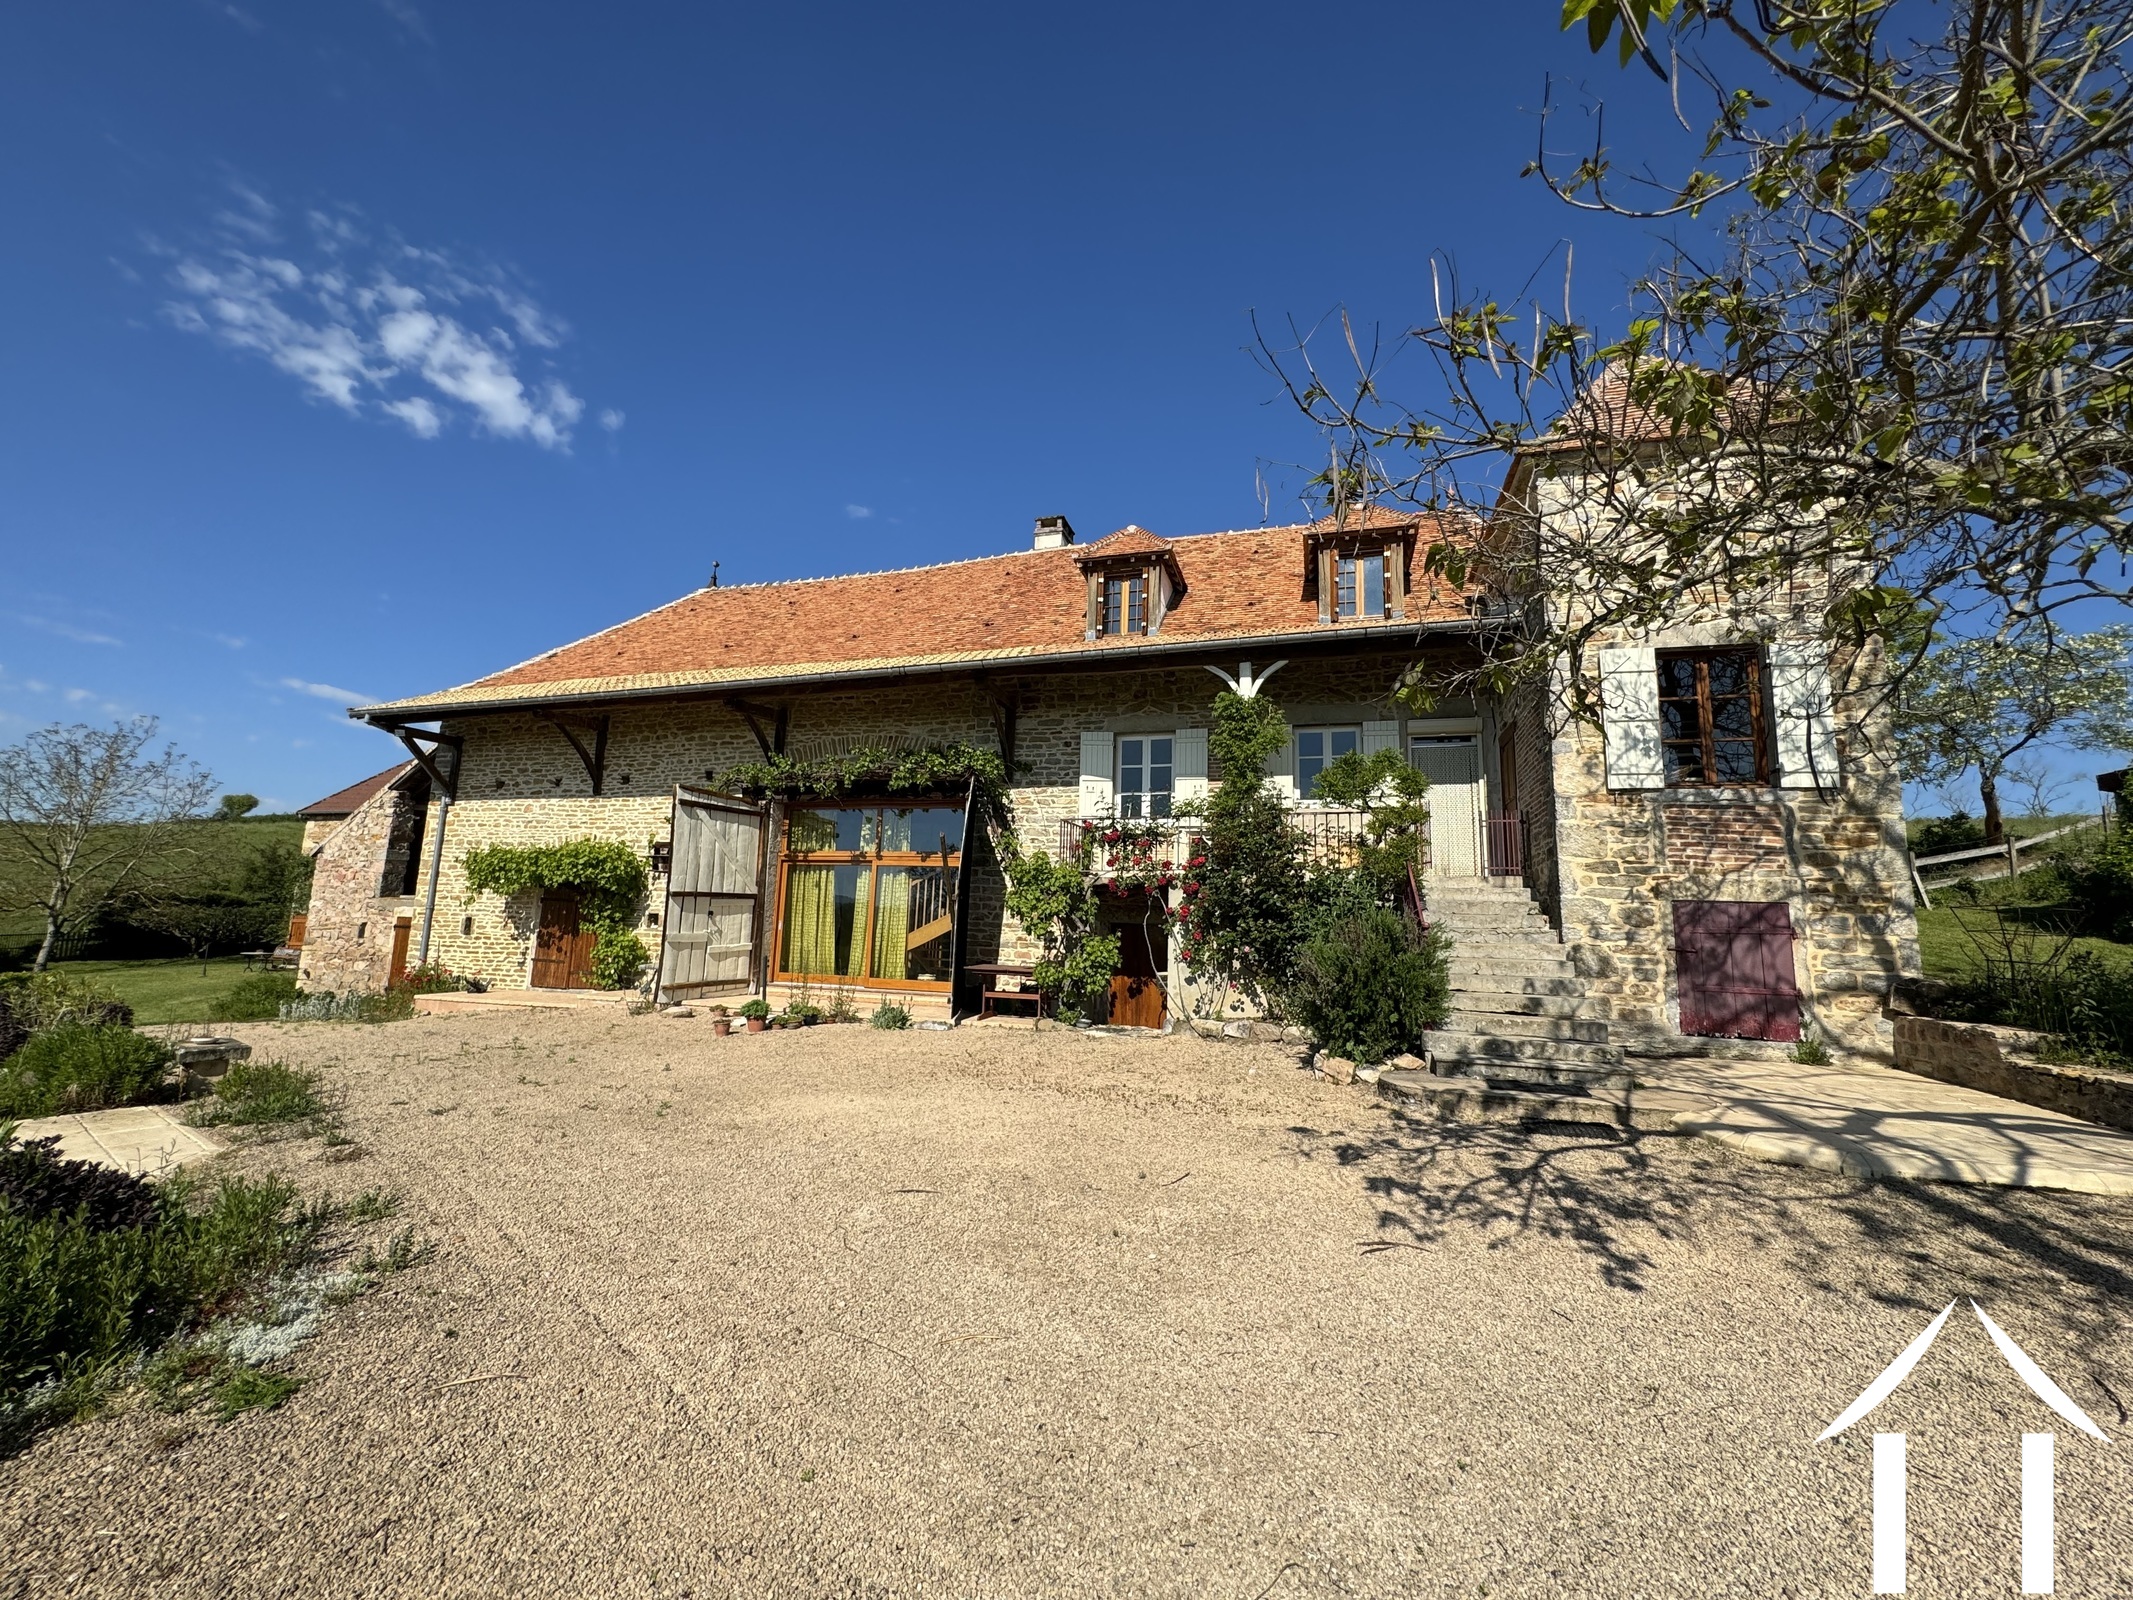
(1876, 1122)
(143, 1140)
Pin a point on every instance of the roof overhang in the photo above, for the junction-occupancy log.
(1348, 638)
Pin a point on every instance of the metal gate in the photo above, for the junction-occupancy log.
(713, 928)
(1733, 969)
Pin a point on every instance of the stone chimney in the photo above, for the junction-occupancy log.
(1053, 533)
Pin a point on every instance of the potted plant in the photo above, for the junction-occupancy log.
(721, 1024)
(804, 1014)
(757, 1011)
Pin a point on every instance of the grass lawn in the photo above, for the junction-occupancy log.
(162, 991)
(1946, 951)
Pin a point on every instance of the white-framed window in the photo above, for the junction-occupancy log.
(1359, 585)
(1147, 774)
(1317, 749)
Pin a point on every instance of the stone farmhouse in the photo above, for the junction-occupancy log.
(1720, 854)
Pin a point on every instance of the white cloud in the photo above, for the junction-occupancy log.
(228, 641)
(377, 326)
(408, 17)
(326, 691)
(858, 513)
(66, 630)
(611, 420)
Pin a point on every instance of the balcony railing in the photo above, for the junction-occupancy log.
(1333, 833)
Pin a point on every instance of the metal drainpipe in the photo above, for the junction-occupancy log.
(429, 904)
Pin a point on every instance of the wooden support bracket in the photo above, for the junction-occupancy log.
(430, 753)
(779, 718)
(595, 759)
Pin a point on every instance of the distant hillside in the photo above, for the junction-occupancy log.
(213, 857)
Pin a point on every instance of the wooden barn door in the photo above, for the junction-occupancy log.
(712, 942)
(562, 951)
(1733, 967)
(398, 969)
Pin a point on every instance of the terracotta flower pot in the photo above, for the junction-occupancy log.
(721, 1026)
(757, 1024)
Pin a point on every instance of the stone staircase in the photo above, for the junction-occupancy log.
(1522, 1042)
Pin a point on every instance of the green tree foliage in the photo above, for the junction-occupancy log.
(610, 880)
(1248, 897)
(88, 817)
(1055, 903)
(1975, 705)
(1368, 986)
(1394, 795)
(233, 806)
(1898, 311)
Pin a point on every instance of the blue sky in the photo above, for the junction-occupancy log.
(364, 346)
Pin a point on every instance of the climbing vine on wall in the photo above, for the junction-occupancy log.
(931, 769)
(609, 879)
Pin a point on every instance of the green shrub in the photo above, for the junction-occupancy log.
(75, 1298)
(256, 997)
(618, 959)
(395, 1005)
(37, 1181)
(2099, 886)
(432, 977)
(1938, 836)
(758, 1007)
(257, 1093)
(1368, 987)
(889, 1015)
(79, 1067)
(31, 1002)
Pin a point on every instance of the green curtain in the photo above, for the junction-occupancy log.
(810, 920)
(892, 921)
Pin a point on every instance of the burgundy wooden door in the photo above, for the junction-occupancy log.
(1733, 969)
(1137, 999)
(562, 950)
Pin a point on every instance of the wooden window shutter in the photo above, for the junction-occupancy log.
(1189, 773)
(1629, 714)
(1805, 720)
(1096, 748)
(1380, 736)
(1281, 767)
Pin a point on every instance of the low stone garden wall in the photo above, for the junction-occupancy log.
(1995, 1061)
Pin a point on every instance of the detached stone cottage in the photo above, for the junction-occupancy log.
(1768, 875)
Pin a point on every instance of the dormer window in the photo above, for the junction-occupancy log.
(1360, 585)
(1125, 605)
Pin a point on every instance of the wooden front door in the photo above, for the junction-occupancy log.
(1733, 969)
(398, 969)
(563, 950)
(1137, 998)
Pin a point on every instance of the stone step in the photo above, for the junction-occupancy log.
(1492, 922)
(1483, 991)
(1447, 1046)
(1495, 1001)
(1498, 940)
(1528, 1025)
(1543, 1074)
(1473, 1100)
(1476, 970)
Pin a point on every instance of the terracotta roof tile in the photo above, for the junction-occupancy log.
(343, 802)
(1131, 540)
(1029, 604)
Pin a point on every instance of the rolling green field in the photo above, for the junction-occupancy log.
(1945, 950)
(162, 991)
(213, 854)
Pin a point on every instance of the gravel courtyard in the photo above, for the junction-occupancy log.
(1003, 1312)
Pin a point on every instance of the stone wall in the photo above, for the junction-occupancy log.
(521, 784)
(348, 932)
(1836, 857)
(1993, 1061)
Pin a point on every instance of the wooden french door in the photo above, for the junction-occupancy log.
(563, 949)
(1733, 969)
